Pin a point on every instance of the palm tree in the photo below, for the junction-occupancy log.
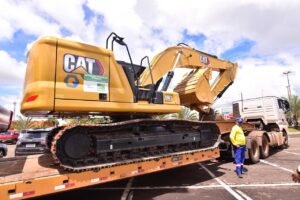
(22, 123)
(164, 116)
(87, 120)
(186, 114)
(54, 121)
(294, 112)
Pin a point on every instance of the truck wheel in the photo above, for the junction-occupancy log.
(254, 152)
(265, 147)
(285, 142)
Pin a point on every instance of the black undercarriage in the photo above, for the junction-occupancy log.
(88, 146)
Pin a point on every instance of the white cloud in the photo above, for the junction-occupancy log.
(151, 26)
(21, 15)
(262, 77)
(12, 71)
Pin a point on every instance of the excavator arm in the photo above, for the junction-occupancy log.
(195, 90)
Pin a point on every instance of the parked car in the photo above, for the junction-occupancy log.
(10, 136)
(3, 150)
(32, 141)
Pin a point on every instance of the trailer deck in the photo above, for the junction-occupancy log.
(32, 176)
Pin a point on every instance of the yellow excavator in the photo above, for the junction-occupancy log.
(67, 79)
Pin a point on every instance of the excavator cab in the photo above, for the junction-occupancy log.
(141, 93)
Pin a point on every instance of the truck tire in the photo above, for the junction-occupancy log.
(254, 152)
(265, 147)
(286, 141)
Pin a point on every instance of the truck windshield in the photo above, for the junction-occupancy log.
(284, 105)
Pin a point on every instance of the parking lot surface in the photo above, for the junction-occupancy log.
(10, 150)
(269, 179)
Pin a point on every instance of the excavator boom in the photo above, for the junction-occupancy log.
(195, 90)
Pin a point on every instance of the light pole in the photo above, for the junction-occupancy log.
(288, 86)
(14, 114)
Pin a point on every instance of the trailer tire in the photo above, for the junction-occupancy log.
(265, 147)
(254, 152)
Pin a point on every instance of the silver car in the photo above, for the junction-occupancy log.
(32, 141)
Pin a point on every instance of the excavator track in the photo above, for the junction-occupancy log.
(92, 147)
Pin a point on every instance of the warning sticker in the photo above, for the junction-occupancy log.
(94, 83)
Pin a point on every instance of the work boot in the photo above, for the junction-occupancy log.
(238, 171)
(238, 174)
(243, 170)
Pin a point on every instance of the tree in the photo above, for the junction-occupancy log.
(22, 123)
(54, 121)
(164, 116)
(294, 112)
(186, 114)
(86, 120)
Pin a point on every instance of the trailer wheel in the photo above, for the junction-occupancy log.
(254, 152)
(265, 147)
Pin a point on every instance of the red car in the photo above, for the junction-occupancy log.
(9, 136)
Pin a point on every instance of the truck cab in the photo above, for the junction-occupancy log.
(267, 113)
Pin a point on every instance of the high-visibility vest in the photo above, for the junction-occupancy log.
(237, 136)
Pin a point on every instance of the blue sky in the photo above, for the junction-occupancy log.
(235, 31)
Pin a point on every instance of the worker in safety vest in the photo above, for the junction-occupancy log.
(238, 141)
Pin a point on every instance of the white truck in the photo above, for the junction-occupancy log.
(268, 115)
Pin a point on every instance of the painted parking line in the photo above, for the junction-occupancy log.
(127, 189)
(224, 185)
(196, 187)
(243, 194)
(298, 154)
(277, 166)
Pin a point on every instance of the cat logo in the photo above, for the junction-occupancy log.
(72, 64)
(204, 60)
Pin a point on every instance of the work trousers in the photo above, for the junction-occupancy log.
(239, 158)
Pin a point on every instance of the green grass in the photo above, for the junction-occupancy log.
(292, 129)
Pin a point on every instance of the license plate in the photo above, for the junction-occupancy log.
(30, 145)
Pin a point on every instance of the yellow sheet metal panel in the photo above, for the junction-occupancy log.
(82, 71)
(119, 86)
(38, 92)
(171, 98)
(113, 107)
